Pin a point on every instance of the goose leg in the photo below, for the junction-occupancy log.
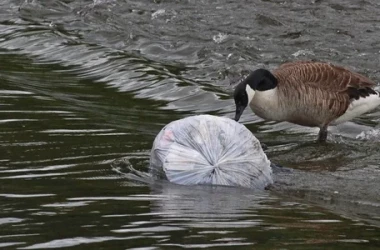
(322, 135)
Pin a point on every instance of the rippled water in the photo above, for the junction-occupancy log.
(83, 83)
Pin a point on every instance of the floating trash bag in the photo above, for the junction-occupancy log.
(209, 150)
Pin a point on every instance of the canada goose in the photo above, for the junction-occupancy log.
(313, 94)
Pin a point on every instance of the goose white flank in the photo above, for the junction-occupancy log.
(313, 94)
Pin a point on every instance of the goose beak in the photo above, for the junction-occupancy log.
(239, 112)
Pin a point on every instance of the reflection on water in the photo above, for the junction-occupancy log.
(83, 83)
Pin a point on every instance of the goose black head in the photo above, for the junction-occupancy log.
(258, 80)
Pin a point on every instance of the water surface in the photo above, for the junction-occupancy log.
(83, 83)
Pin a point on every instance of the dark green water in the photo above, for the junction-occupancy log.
(83, 83)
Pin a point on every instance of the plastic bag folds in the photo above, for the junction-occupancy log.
(210, 150)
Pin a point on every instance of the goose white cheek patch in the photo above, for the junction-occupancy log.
(250, 93)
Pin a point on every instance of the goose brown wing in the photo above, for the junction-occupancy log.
(323, 85)
(324, 76)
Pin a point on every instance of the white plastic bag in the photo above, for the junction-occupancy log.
(211, 150)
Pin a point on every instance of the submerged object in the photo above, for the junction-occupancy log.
(210, 150)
